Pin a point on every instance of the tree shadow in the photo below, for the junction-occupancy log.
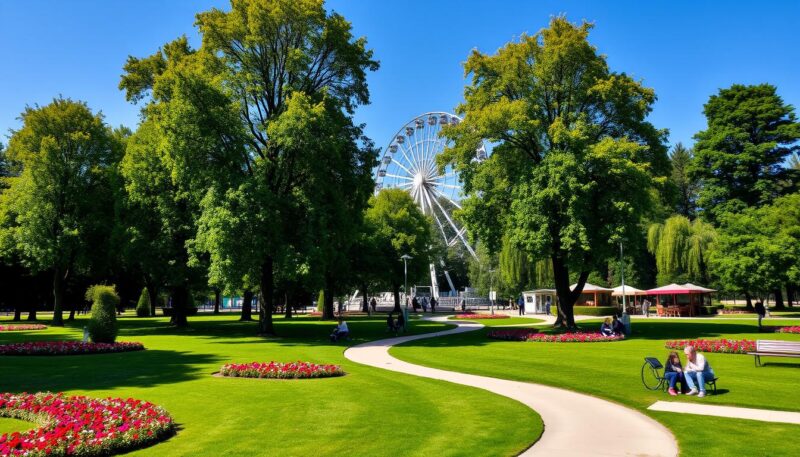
(148, 368)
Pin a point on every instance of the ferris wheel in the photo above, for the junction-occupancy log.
(409, 163)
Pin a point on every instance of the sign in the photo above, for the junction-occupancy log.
(493, 295)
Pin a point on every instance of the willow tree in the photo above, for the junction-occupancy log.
(573, 166)
(681, 248)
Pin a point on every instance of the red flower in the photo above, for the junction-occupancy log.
(528, 334)
(66, 348)
(296, 370)
(720, 346)
(19, 327)
(81, 425)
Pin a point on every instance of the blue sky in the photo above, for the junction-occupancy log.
(685, 50)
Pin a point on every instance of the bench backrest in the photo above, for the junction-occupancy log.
(787, 347)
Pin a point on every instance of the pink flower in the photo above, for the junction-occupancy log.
(719, 346)
(527, 334)
(482, 316)
(66, 348)
(295, 370)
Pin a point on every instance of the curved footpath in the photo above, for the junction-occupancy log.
(575, 424)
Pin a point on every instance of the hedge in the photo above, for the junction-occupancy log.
(143, 306)
(595, 310)
(102, 324)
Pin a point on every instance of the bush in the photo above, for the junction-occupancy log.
(595, 310)
(103, 322)
(710, 310)
(143, 306)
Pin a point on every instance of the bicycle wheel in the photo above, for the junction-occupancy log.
(651, 377)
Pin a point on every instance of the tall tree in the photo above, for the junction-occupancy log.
(686, 186)
(571, 172)
(400, 229)
(53, 206)
(739, 158)
(681, 248)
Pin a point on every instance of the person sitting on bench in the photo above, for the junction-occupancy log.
(341, 331)
(618, 327)
(606, 329)
(673, 371)
(698, 371)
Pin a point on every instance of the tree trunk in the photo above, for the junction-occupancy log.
(749, 301)
(217, 297)
(152, 291)
(180, 305)
(779, 299)
(58, 298)
(72, 312)
(247, 306)
(566, 297)
(396, 293)
(327, 308)
(365, 303)
(17, 307)
(790, 295)
(265, 326)
(288, 311)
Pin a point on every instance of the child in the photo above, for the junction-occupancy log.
(673, 371)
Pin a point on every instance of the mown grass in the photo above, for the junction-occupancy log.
(612, 371)
(502, 322)
(368, 412)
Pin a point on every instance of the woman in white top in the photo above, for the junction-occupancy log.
(697, 371)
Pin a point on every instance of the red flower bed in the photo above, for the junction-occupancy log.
(722, 346)
(482, 316)
(528, 334)
(793, 329)
(277, 370)
(81, 426)
(66, 348)
(11, 328)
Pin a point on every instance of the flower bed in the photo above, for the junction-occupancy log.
(722, 346)
(81, 426)
(792, 329)
(277, 370)
(527, 334)
(482, 316)
(20, 327)
(66, 348)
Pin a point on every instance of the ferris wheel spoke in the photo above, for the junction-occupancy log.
(459, 232)
(403, 167)
(449, 186)
(407, 178)
(452, 202)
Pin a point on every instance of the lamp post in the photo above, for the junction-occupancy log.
(491, 285)
(626, 319)
(405, 258)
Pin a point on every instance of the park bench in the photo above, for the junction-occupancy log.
(772, 348)
(653, 377)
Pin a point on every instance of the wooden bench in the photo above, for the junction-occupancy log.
(772, 348)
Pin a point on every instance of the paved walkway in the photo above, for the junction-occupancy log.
(575, 424)
(764, 415)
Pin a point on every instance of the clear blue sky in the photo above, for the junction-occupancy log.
(685, 50)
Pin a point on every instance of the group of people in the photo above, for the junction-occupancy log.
(340, 331)
(423, 303)
(692, 377)
(548, 303)
(395, 325)
(612, 326)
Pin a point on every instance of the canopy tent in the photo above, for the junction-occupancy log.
(593, 295)
(677, 300)
(629, 290)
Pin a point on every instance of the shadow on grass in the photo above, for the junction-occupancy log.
(146, 368)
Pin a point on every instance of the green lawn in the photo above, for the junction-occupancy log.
(612, 371)
(368, 412)
(502, 322)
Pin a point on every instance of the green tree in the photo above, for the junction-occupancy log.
(739, 157)
(686, 187)
(58, 202)
(681, 248)
(294, 73)
(572, 169)
(400, 229)
(794, 161)
(758, 250)
(143, 307)
(102, 325)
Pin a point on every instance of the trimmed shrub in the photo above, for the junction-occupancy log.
(103, 322)
(143, 305)
(595, 310)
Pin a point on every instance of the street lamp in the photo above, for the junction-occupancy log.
(491, 285)
(405, 258)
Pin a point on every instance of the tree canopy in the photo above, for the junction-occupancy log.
(574, 162)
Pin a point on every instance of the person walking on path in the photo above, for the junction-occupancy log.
(521, 305)
(433, 305)
(697, 371)
(424, 303)
(646, 308)
(373, 304)
(761, 311)
(547, 305)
